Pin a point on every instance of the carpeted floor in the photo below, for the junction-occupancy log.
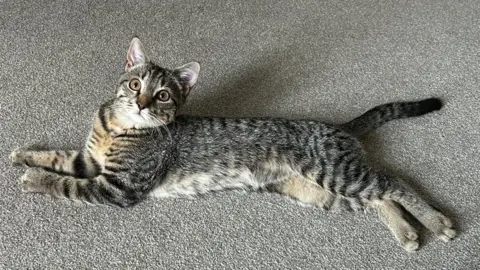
(328, 60)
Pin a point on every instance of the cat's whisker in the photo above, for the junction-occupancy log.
(162, 125)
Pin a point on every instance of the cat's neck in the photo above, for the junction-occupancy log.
(110, 124)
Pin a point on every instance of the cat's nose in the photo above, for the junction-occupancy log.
(143, 101)
(141, 106)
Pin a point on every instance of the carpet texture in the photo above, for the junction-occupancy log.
(326, 60)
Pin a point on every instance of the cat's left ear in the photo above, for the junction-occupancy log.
(188, 75)
(136, 54)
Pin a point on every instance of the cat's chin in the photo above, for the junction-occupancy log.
(135, 121)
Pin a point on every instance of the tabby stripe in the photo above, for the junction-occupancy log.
(54, 162)
(127, 138)
(83, 191)
(66, 189)
(116, 169)
(102, 115)
(342, 189)
(346, 204)
(308, 167)
(328, 204)
(357, 171)
(108, 195)
(333, 180)
(79, 165)
(91, 142)
(383, 186)
(321, 175)
(96, 135)
(100, 193)
(337, 173)
(364, 183)
(349, 169)
(96, 166)
(113, 153)
(355, 203)
(115, 159)
(154, 75)
(115, 181)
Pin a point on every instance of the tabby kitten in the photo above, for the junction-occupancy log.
(139, 147)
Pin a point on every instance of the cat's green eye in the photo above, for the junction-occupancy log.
(163, 96)
(135, 84)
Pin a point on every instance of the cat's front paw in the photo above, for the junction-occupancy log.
(19, 156)
(34, 180)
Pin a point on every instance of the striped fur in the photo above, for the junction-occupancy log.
(382, 114)
(138, 147)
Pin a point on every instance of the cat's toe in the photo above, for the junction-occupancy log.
(412, 235)
(443, 228)
(446, 221)
(409, 240)
(411, 245)
(447, 234)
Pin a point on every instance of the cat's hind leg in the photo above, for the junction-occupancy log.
(393, 217)
(430, 217)
(69, 162)
(304, 191)
(309, 192)
(382, 187)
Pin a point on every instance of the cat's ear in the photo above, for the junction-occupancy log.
(188, 74)
(136, 54)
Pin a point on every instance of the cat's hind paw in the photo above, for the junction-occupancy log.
(445, 230)
(410, 241)
(441, 226)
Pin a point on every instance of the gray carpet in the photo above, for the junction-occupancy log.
(327, 60)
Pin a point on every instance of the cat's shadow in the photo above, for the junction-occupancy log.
(251, 89)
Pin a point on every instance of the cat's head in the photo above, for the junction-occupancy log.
(150, 95)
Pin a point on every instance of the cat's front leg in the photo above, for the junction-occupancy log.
(66, 162)
(102, 189)
(37, 180)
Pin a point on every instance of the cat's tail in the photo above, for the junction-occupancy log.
(376, 117)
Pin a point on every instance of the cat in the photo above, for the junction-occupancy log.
(139, 147)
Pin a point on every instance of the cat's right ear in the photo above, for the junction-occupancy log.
(136, 54)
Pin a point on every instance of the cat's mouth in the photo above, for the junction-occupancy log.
(144, 114)
(132, 117)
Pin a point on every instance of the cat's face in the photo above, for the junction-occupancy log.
(149, 95)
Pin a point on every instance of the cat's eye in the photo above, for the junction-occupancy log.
(135, 84)
(163, 96)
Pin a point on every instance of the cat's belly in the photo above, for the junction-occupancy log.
(178, 184)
